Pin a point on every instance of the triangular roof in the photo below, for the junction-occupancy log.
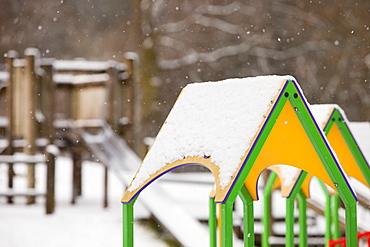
(226, 125)
(212, 123)
(333, 121)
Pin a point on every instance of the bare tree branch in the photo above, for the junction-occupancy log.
(299, 14)
(207, 57)
(291, 52)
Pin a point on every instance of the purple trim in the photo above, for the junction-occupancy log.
(254, 144)
(326, 143)
(353, 138)
(158, 176)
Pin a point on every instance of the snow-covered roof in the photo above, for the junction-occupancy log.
(214, 119)
(289, 174)
(83, 65)
(80, 79)
(323, 112)
(361, 132)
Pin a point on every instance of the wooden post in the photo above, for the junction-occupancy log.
(114, 104)
(129, 93)
(29, 115)
(105, 199)
(48, 102)
(9, 113)
(76, 174)
(134, 134)
(51, 153)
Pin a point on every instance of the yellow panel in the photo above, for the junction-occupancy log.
(287, 144)
(344, 154)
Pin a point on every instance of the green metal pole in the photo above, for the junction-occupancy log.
(327, 214)
(289, 220)
(351, 223)
(128, 223)
(227, 224)
(212, 222)
(335, 216)
(267, 210)
(248, 217)
(302, 206)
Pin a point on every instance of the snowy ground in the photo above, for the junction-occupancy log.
(85, 224)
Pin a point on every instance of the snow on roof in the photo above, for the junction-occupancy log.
(361, 132)
(80, 79)
(83, 65)
(289, 174)
(323, 112)
(215, 119)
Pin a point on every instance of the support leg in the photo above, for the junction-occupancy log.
(267, 210)
(76, 175)
(212, 222)
(302, 206)
(128, 224)
(327, 214)
(351, 223)
(50, 183)
(10, 181)
(248, 217)
(335, 216)
(227, 224)
(105, 196)
(289, 221)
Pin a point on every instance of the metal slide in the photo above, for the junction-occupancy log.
(113, 152)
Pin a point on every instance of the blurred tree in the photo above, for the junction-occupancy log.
(324, 44)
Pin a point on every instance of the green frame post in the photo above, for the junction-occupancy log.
(302, 218)
(327, 213)
(227, 223)
(128, 223)
(335, 216)
(248, 217)
(267, 209)
(289, 220)
(212, 223)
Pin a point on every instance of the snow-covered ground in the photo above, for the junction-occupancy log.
(85, 224)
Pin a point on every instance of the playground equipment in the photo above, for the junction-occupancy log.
(238, 128)
(333, 122)
(43, 101)
(28, 123)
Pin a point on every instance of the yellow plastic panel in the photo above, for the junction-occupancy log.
(344, 154)
(287, 144)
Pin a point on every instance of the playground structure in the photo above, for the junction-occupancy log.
(50, 106)
(46, 103)
(272, 124)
